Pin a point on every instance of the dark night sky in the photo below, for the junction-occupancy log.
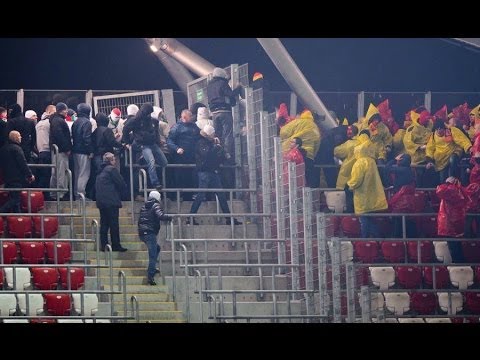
(329, 64)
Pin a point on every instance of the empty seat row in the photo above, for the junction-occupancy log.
(53, 304)
(410, 277)
(36, 252)
(44, 278)
(23, 226)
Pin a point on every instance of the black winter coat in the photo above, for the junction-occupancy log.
(150, 215)
(82, 136)
(220, 94)
(145, 130)
(109, 187)
(26, 128)
(59, 133)
(208, 157)
(14, 165)
(104, 140)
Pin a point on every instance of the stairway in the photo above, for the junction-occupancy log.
(155, 304)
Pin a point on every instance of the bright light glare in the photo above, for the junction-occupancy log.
(153, 48)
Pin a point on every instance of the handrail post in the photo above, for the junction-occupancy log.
(198, 275)
(186, 287)
(96, 237)
(122, 286)
(132, 200)
(68, 172)
(172, 242)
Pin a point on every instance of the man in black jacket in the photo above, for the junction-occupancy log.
(15, 170)
(209, 155)
(82, 147)
(109, 187)
(148, 227)
(60, 136)
(25, 127)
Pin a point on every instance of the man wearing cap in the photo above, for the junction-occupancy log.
(209, 155)
(151, 214)
(108, 187)
(25, 127)
(60, 136)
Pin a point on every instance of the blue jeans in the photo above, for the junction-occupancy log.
(451, 169)
(368, 227)
(153, 251)
(209, 180)
(152, 154)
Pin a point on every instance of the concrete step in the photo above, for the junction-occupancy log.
(131, 280)
(139, 289)
(152, 306)
(223, 256)
(146, 315)
(78, 221)
(145, 298)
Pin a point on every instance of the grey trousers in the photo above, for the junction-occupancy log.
(81, 162)
(62, 177)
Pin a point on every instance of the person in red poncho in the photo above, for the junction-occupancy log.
(473, 191)
(297, 155)
(451, 215)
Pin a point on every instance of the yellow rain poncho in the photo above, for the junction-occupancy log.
(304, 128)
(365, 181)
(345, 152)
(440, 149)
(416, 136)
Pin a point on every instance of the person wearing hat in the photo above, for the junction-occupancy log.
(108, 187)
(209, 155)
(25, 127)
(149, 219)
(60, 136)
(259, 82)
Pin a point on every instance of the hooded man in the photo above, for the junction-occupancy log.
(209, 155)
(82, 147)
(149, 219)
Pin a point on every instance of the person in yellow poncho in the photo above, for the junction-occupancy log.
(474, 120)
(304, 128)
(365, 182)
(415, 141)
(345, 153)
(445, 149)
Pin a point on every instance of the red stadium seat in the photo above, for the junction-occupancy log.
(3, 197)
(332, 226)
(426, 251)
(420, 199)
(1, 226)
(366, 251)
(58, 304)
(471, 251)
(50, 226)
(32, 252)
(393, 251)
(427, 226)
(351, 226)
(423, 303)
(77, 278)
(19, 226)
(362, 276)
(442, 277)
(42, 321)
(466, 320)
(409, 277)
(472, 302)
(1, 278)
(9, 252)
(36, 198)
(45, 278)
(64, 252)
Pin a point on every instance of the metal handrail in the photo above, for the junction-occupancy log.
(198, 275)
(135, 308)
(95, 231)
(122, 286)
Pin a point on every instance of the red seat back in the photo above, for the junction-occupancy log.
(45, 278)
(32, 252)
(43, 321)
(409, 277)
(423, 303)
(19, 226)
(471, 251)
(77, 278)
(50, 226)
(1, 226)
(9, 252)
(64, 252)
(442, 277)
(36, 198)
(332, 225)
(58, 304)
(419, 200)
(4, 197)
(351, 226)
(393, 251)
(472, 302)
(426, 251)
(366, 251)
(362, 276)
